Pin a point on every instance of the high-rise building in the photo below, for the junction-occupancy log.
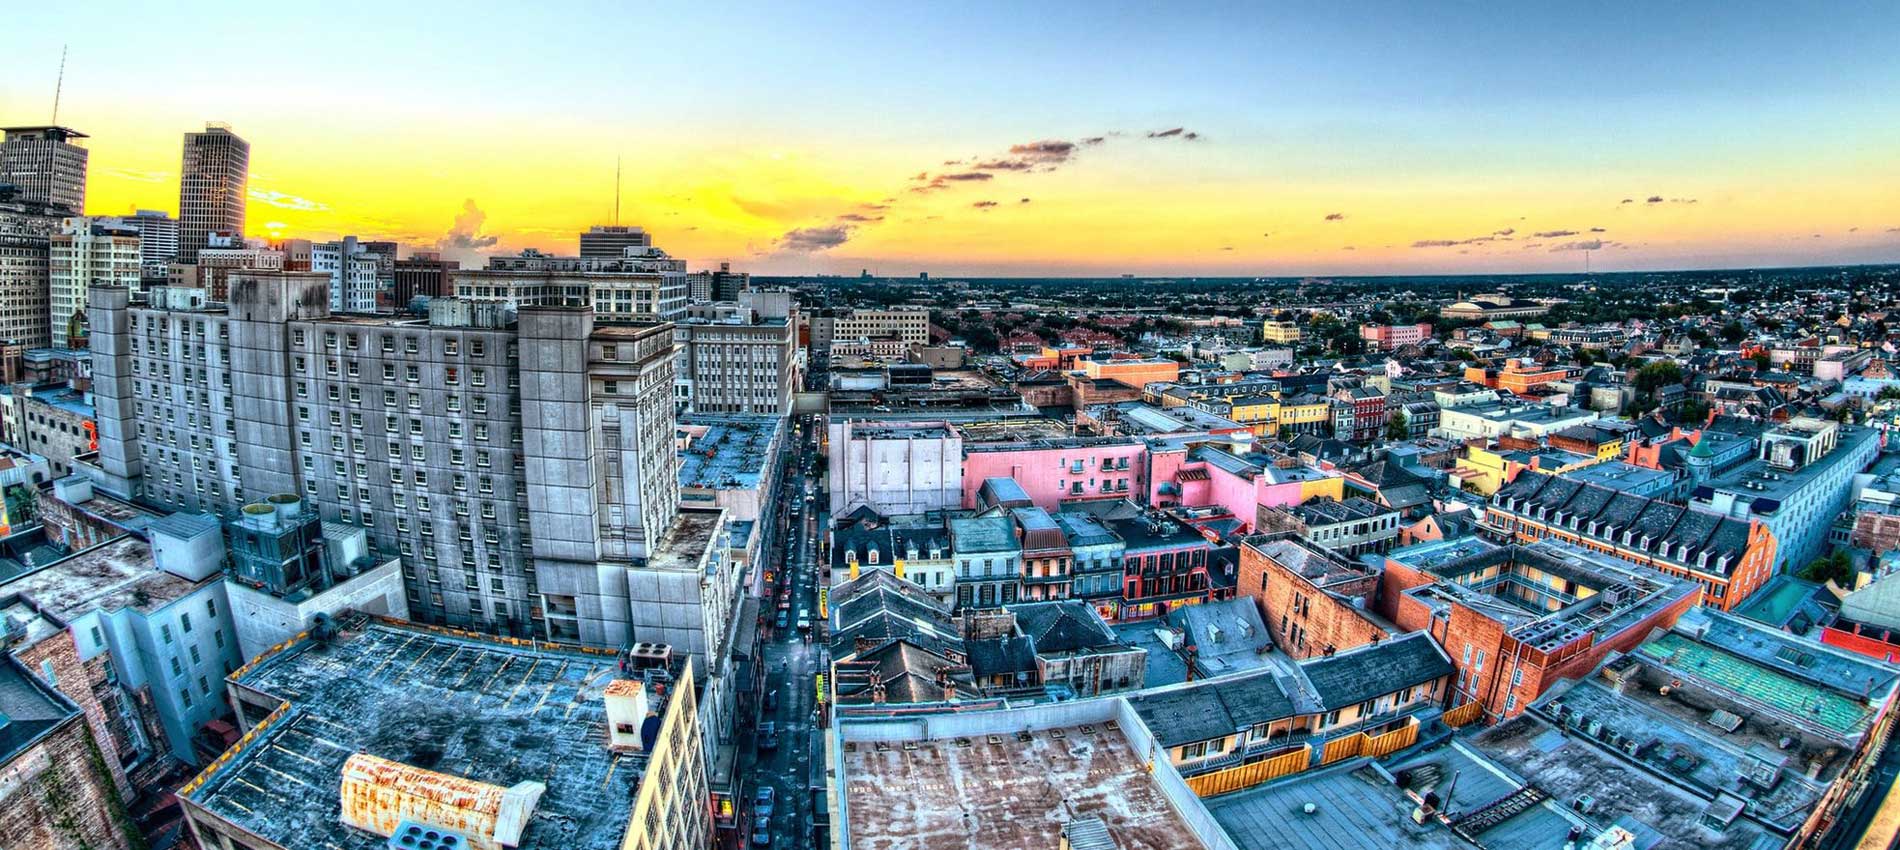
(158, 242)
(732, 359)
(612, 240)
(212, 183)
(424, 274)
(355, 273)
(47, 164)
(26, 231)
(87, 252)
(441, 437)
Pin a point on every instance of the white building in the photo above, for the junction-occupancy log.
(641, 285)
(88, 252)
(894, 468)
(353, 274)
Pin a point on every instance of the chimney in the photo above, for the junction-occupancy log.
(627, 711)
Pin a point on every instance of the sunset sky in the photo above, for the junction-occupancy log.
(1015, 139)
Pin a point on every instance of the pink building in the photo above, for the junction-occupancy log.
(1207, 475)
(1055, 471)
(1392, 337)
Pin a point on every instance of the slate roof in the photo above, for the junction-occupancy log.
(1067, 626)
(908, 673)
(1359, 674)
(1210, 708)
(30, 709)
(1576, 505)
(1002, 656)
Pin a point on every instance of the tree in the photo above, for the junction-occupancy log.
(1585, 358)
(1837, 567)
(1732, 332)
(1657, 375)
(1396, 427)
(1763, 362)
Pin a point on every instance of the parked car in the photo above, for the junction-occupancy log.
(763, 800)
(784, 618)
(771, 700)
(762, 830)
(768, 736)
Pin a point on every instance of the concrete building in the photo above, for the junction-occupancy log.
(47, 164)
(613, 240)
(735, 361)
(1097, 551)
(894, 467)
(56, 796)
(288, 568)
(353, 738)
(647, 286)
(26, 231)
(442, 437)
(1273, 331)
(214, 178)
(1493, 306)
(1801, 480)
(905, 326)
(87, 252)
(158, 242)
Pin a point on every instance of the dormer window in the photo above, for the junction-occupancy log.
(872, 554)
(850, 556)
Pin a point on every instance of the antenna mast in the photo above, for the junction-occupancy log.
(60, 83)
(616, 190)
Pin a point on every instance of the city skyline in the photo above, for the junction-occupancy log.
(1377, 140)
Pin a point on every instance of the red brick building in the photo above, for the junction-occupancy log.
(1313, 601)
(1517, 619)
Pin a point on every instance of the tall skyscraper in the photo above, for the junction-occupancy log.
(211, 188)
(612, 240)
(25, 231)
(158, 241)
(47, 164)
(87, 252)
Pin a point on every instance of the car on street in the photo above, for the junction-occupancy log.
(762, 830)
(771, 700)
(763, 801)
(784, 618)
(768, 736)
(804, 620)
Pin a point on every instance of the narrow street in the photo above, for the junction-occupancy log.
(791, 663)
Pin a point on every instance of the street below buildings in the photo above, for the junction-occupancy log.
(777, 745)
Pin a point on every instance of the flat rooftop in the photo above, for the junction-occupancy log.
(480, 709)
(687, 541)
(988, 792)
(732, 453)
(113, 575)
(1357, 807)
